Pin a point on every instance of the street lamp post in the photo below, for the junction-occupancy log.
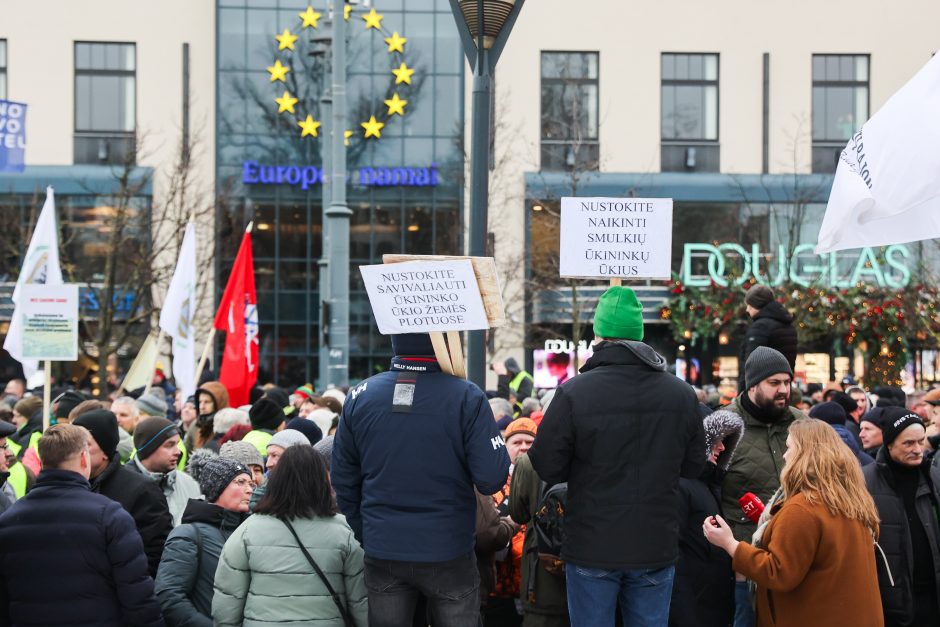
(322, 44)
(338, 214)
(484, 27)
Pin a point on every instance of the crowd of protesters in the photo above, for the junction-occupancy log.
(622, 497)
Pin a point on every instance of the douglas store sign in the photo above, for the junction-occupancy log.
(305, 177)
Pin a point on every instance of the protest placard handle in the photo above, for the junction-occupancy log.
(47, 396)
(456, 354)
(205, 355)
(440, 351)
(616, 282)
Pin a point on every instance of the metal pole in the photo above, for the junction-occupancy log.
(326, 148)
(338, 213)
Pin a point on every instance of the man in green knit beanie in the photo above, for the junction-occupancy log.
(621, 434)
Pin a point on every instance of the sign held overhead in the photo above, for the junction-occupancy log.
(608, 238)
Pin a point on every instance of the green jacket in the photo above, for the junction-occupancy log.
(549, 595)
(755, 467)
(261, 566)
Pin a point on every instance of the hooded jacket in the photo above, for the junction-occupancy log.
(703, 590)
(177, 486)
(70, 557)
(621, 434)
(895, 536)
(184, 583)
(145, 503)
(773, 327)
(404, 479)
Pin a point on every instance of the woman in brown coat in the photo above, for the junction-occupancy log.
(819, 543)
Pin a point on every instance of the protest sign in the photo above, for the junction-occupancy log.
(425, 296)
(616, 238)
(50, 321)
(12, 136)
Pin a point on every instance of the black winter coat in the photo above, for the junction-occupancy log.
(71, 557)
(773, 327)
(895, 537)
(187, 571)
(144, 501)
(621, 434)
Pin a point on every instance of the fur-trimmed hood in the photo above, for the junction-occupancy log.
(726, 426)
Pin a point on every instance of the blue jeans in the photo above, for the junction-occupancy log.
(743, 611)
(452, 591)
(644, 596)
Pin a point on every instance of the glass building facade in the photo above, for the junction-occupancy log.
(392, 211)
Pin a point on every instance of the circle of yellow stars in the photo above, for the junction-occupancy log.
(371, 128)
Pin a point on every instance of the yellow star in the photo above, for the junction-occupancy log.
(403, 74)
(285, 102)
(308, 126)
(396, 105)
(310, 17)
(373, 128)
(285, 40)
(347, 10)
(396, 43)
(373, 19)
(278, 71)
(346, 136)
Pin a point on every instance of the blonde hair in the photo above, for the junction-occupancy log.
(823, 469)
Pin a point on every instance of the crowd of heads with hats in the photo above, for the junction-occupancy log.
(885, 324)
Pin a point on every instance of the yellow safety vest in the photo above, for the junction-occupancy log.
(18, 479)
(518, 379)
(259, 439)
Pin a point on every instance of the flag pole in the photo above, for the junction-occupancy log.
(211, 338)
(47, 395)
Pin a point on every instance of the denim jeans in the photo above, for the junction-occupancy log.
(644, 596)
(743, 610)
(452, 591)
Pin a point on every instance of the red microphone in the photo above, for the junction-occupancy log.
(752, 506)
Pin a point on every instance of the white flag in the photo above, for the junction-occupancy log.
(887, 184)
(176, 317)
(141, 371)
(41, 265)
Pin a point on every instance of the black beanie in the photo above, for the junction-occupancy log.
(875, 416)
(758, 296)
(413, 344)
(151, 433)
(67, 402)
(762, 363)
(266, 414)
(103, 427)
(845, 401)
(308, 427)
(831, 413)
(895, 420)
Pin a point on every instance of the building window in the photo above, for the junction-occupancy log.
(570, 111)
(3, 69)
(105, 102)
(840, 104)
(690, 113)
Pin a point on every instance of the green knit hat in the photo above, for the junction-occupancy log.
(619, 315)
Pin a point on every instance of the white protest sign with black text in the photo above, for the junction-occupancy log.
(50, 321)
(627, 238)
(425, 296)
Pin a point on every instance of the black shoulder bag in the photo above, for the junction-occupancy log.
(347, 620)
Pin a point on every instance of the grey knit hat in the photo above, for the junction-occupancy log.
(288, 438)
(151, 405)
(325, 448)
(242, 452)
(762, 363)
(228, 417)
(217, 473)
(758, 296)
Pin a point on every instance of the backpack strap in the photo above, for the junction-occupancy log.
(339, 604)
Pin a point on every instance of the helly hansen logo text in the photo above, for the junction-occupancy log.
(361, 388)
(497, 442)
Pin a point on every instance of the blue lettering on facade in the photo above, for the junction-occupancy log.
(254, 173)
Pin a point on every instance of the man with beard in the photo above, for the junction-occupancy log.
(765, 407)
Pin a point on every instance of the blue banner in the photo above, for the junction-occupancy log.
(12, 136)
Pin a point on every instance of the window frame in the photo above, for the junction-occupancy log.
(825, 142)
(76, 73)
(5, 58)
(689, 82)
(578, 82)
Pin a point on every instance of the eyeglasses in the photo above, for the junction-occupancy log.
(242, 482)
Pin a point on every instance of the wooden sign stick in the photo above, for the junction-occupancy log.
(616, 282)
(456, 354)
(440, 351)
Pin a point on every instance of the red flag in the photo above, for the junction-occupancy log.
(238, 317)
